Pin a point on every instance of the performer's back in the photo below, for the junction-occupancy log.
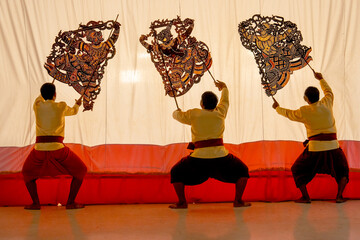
(50, 121)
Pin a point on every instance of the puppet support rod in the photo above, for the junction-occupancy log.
(82, 95)
(167, 74)
(205, 65)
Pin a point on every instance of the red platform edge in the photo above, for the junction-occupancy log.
(269, 186)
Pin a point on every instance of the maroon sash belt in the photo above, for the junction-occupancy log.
(321, 137)
(324, 137)
(48, 139)
(206, 143)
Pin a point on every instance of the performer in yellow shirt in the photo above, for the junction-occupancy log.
(210, 158)
(322, 153)
(50, 157)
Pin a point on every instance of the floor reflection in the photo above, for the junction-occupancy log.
(320, 220)
(217, 221)
(211, 221)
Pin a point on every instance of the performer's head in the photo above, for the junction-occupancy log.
(209, 100)
(311, 95)
(48, 91)
(94, 36)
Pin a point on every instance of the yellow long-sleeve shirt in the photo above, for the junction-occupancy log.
(50, 121)
(205, 125)
(317, 118)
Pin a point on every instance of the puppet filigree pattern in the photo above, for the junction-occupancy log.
(181, 61)
(78, 58)
(276, 46)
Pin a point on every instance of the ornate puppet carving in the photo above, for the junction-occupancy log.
(78, 58)
(276, 46)
(181, 61)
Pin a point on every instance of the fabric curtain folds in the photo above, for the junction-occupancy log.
(131, 129)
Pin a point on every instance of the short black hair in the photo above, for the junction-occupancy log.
(48, 91)
(312, 93)
(209, 100)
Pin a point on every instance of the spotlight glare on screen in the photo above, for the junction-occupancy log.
(130, 76)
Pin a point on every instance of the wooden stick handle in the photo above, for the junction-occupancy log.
(209, 73)
(311, 67)
(177, 105)
(205, 65)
